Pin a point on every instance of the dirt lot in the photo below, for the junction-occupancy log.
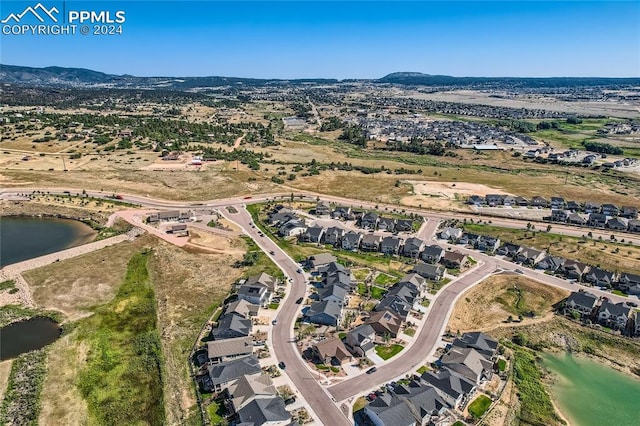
(5, 370)
(489, 304)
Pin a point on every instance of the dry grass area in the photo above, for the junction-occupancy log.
(5, 370)
(74, 286)
(215, 243)
(505, 411)
(44, 206)
(488, 305)
(62, 403)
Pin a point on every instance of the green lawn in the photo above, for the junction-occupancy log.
(360, 403)
(361, 273)
(7, 285)
(479, 406)
(216, 413)
(386, 352)
(502, 365)
(425, 303)
(377, 292)
(620, 293)
(409, 331)
(423, 369)
(362, 289)
(123, 378)
(384, 279)
(274, 305)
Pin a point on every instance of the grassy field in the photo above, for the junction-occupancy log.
(21, 402)
(386, 352)
(479, 406)
(606, 254)
(123, 378)
(493, 301)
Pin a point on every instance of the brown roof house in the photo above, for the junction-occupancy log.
(331, 351)
(384, 322)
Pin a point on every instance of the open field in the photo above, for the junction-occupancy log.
(605, 254)
(489, 304)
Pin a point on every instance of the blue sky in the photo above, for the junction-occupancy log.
(341, 39)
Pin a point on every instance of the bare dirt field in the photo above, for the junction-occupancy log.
(489, 304)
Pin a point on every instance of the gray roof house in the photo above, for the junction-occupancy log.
(582, 302)
(339, 278)
(412, 247)
(600, 277)
(332, 292)
(412, 278)
(454, 259)
(629, 212)
(351, 241)
(387, 224)
(494, 199)
(597, 220)
(292, 228)
(333, 235)
(226, 349)
(404, 225)
(551, 263)
(244, 389)
(614, 315)
(428, 271)
(360, 340)
(255, 294)
(509, 250)
(225, 372)
(263, 279)
(530, 256)
(399, 299)
(390, 245)
(327, 312)
(487, 244)
(591, 207)
(322, 209)
(453, 388)
(264, 411)
(618, 223)
(629, 283)
(432, 254)
(370, 242)
(341, 212)
(634, 225)
(469, 363)
(450, 233)
(312, 234)
(574, 269)
(321, 259)
(481, 342)
(243, 308)
(576, 219)
(231, 326)
(369, 220)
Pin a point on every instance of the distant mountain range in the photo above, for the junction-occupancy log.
(80, 77)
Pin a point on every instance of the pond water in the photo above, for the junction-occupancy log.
(26, 238)
(24, 336)
(592, 394)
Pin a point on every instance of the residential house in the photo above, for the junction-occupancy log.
(323, 209)
(455, 389)
(559, 216)
(432, 254)
(369, 220)
(454, 259)
(264, 280)
(476, 200)
(351, 241)
(618, 224)
(322, 259)
(387, 224)
(614, 315)
(407, 405)
(550, 263)
(538, 201)
(361, 340)
(582, 302)
(312, 234)
(279, 218)
(243, 308)
(399, 299)
(600, 277)
(468, 239)
(390, 245)
(509, 250)
(331, 351)
(255, 294)
(414, 279)
(610, 210)
(231, 326)
(576, 219)
(385, 322)
(629, 212)
(634, 225)
(333, 292)
(493, 200)
(246, 388)
(591, 207)
(340, 278)
(573, 269)
(451, 234)
(597, 220)
(342, 212)
(574, 206)
(370, 242)
(333, 235)
(488, 244)
(412, 247)
(469, 363)
(530, 256)
(164, 216)
(521, 202)
(428, 271)
(509, 200)
(266, 411)
(226, 349)
(220, 375)
(558, 203)
(292, 228)
(404, 225)
(487, 346)
(629, 283)
(327, 312)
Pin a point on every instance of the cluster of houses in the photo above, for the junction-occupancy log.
(540, 259)
(428, 399)
(229, 368)
(588, 306)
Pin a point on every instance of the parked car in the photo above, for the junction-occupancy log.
(299, 301)
(272, 252)
(633, 305)
(274, 322)
(371, 397)
(372, 370)
(281, 365)
(290, 400)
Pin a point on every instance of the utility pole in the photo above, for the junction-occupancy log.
(64, 166)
